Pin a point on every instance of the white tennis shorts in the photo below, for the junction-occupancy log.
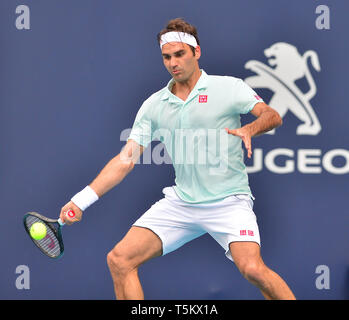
(177, 222)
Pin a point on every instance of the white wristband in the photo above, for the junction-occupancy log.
(85, 198)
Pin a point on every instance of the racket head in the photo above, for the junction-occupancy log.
(52, 244)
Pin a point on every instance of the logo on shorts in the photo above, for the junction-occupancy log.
(246, 232)
(202, 98)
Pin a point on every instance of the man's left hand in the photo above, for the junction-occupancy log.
(245, 134)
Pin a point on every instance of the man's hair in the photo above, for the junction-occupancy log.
(180, 25)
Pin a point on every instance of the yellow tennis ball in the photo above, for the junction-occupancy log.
(38, 231)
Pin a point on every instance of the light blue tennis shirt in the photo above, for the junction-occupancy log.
(208, 161)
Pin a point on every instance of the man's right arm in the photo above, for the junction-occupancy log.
(117, 168)
(110, 176)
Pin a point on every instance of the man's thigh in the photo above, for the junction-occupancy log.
(139, 245)
(245, 252)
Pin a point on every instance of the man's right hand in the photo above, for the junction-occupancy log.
(70, 213)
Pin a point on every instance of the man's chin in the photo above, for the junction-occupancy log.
(176, 74)
(179, 77)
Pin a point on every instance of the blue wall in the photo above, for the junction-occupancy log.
(74, 81)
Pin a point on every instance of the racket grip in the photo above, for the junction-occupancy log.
(61, 223)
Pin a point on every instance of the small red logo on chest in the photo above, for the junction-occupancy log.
(202, 98)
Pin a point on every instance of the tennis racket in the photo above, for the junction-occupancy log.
(52, 244)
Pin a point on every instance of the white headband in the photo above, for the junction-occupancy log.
(175, 36)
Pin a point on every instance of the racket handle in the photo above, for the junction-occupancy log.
(61, 223)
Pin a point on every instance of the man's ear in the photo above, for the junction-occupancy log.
(197, 52)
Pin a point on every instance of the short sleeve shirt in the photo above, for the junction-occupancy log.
(208, 161)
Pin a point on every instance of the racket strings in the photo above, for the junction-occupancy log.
(49, 244)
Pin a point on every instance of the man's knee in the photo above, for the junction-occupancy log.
(253, 271)
(119, 263)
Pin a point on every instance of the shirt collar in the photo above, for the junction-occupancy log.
(201, 84)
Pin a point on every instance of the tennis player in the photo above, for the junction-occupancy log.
(211, 193)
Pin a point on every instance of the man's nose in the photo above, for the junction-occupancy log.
(173, 62)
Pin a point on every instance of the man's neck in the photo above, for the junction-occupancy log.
(183, 89)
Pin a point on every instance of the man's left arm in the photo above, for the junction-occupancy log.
(267, 119)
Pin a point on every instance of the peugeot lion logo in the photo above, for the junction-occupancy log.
(289, 67)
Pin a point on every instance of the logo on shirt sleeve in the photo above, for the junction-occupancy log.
(202, 98)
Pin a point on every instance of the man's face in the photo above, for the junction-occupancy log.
(179, 60)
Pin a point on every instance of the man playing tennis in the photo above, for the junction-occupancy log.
(211, 192)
